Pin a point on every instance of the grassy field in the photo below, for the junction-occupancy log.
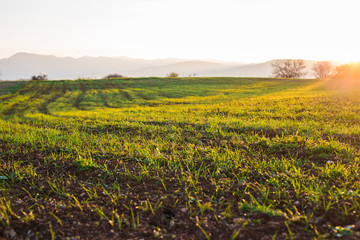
(184, 158)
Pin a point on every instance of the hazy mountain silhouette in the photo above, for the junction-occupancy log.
(24, 65)
(185, 68)
(264, 69)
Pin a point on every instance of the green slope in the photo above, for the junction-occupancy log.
(50, 96)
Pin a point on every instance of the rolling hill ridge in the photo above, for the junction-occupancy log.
(24, 65)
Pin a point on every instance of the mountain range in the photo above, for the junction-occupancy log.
(25, 65)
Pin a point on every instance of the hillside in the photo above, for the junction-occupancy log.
(50, 96)
(179, 158)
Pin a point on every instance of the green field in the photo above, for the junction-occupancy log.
(179, 158)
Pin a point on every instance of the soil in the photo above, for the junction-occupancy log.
(55, 218)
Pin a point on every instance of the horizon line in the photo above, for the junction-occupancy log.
(215, 60)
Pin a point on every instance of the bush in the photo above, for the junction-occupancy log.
(40, 77)
(173, 75)
(115, 75)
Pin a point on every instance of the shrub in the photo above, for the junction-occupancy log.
(173, 75)
(114, 75)
(40, 77)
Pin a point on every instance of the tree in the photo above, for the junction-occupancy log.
(348, 71)
(173, 75)
(323, 70)
(289, 68)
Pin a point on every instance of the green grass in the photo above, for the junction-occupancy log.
(10, 87)
(180, 158)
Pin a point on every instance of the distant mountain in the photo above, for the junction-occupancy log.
(186, 68)
(24, 65)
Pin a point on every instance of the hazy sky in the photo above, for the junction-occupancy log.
(233, 30)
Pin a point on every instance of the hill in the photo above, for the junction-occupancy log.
(50, 96)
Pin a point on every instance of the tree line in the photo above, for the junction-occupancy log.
(296, 68)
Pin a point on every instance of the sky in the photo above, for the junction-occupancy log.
(228, 30)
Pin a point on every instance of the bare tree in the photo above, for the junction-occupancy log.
(323, 70)
(289, 68)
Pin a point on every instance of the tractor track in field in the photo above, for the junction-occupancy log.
(79, 99)
(44, 107)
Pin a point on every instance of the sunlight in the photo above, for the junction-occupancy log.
(242, 31)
